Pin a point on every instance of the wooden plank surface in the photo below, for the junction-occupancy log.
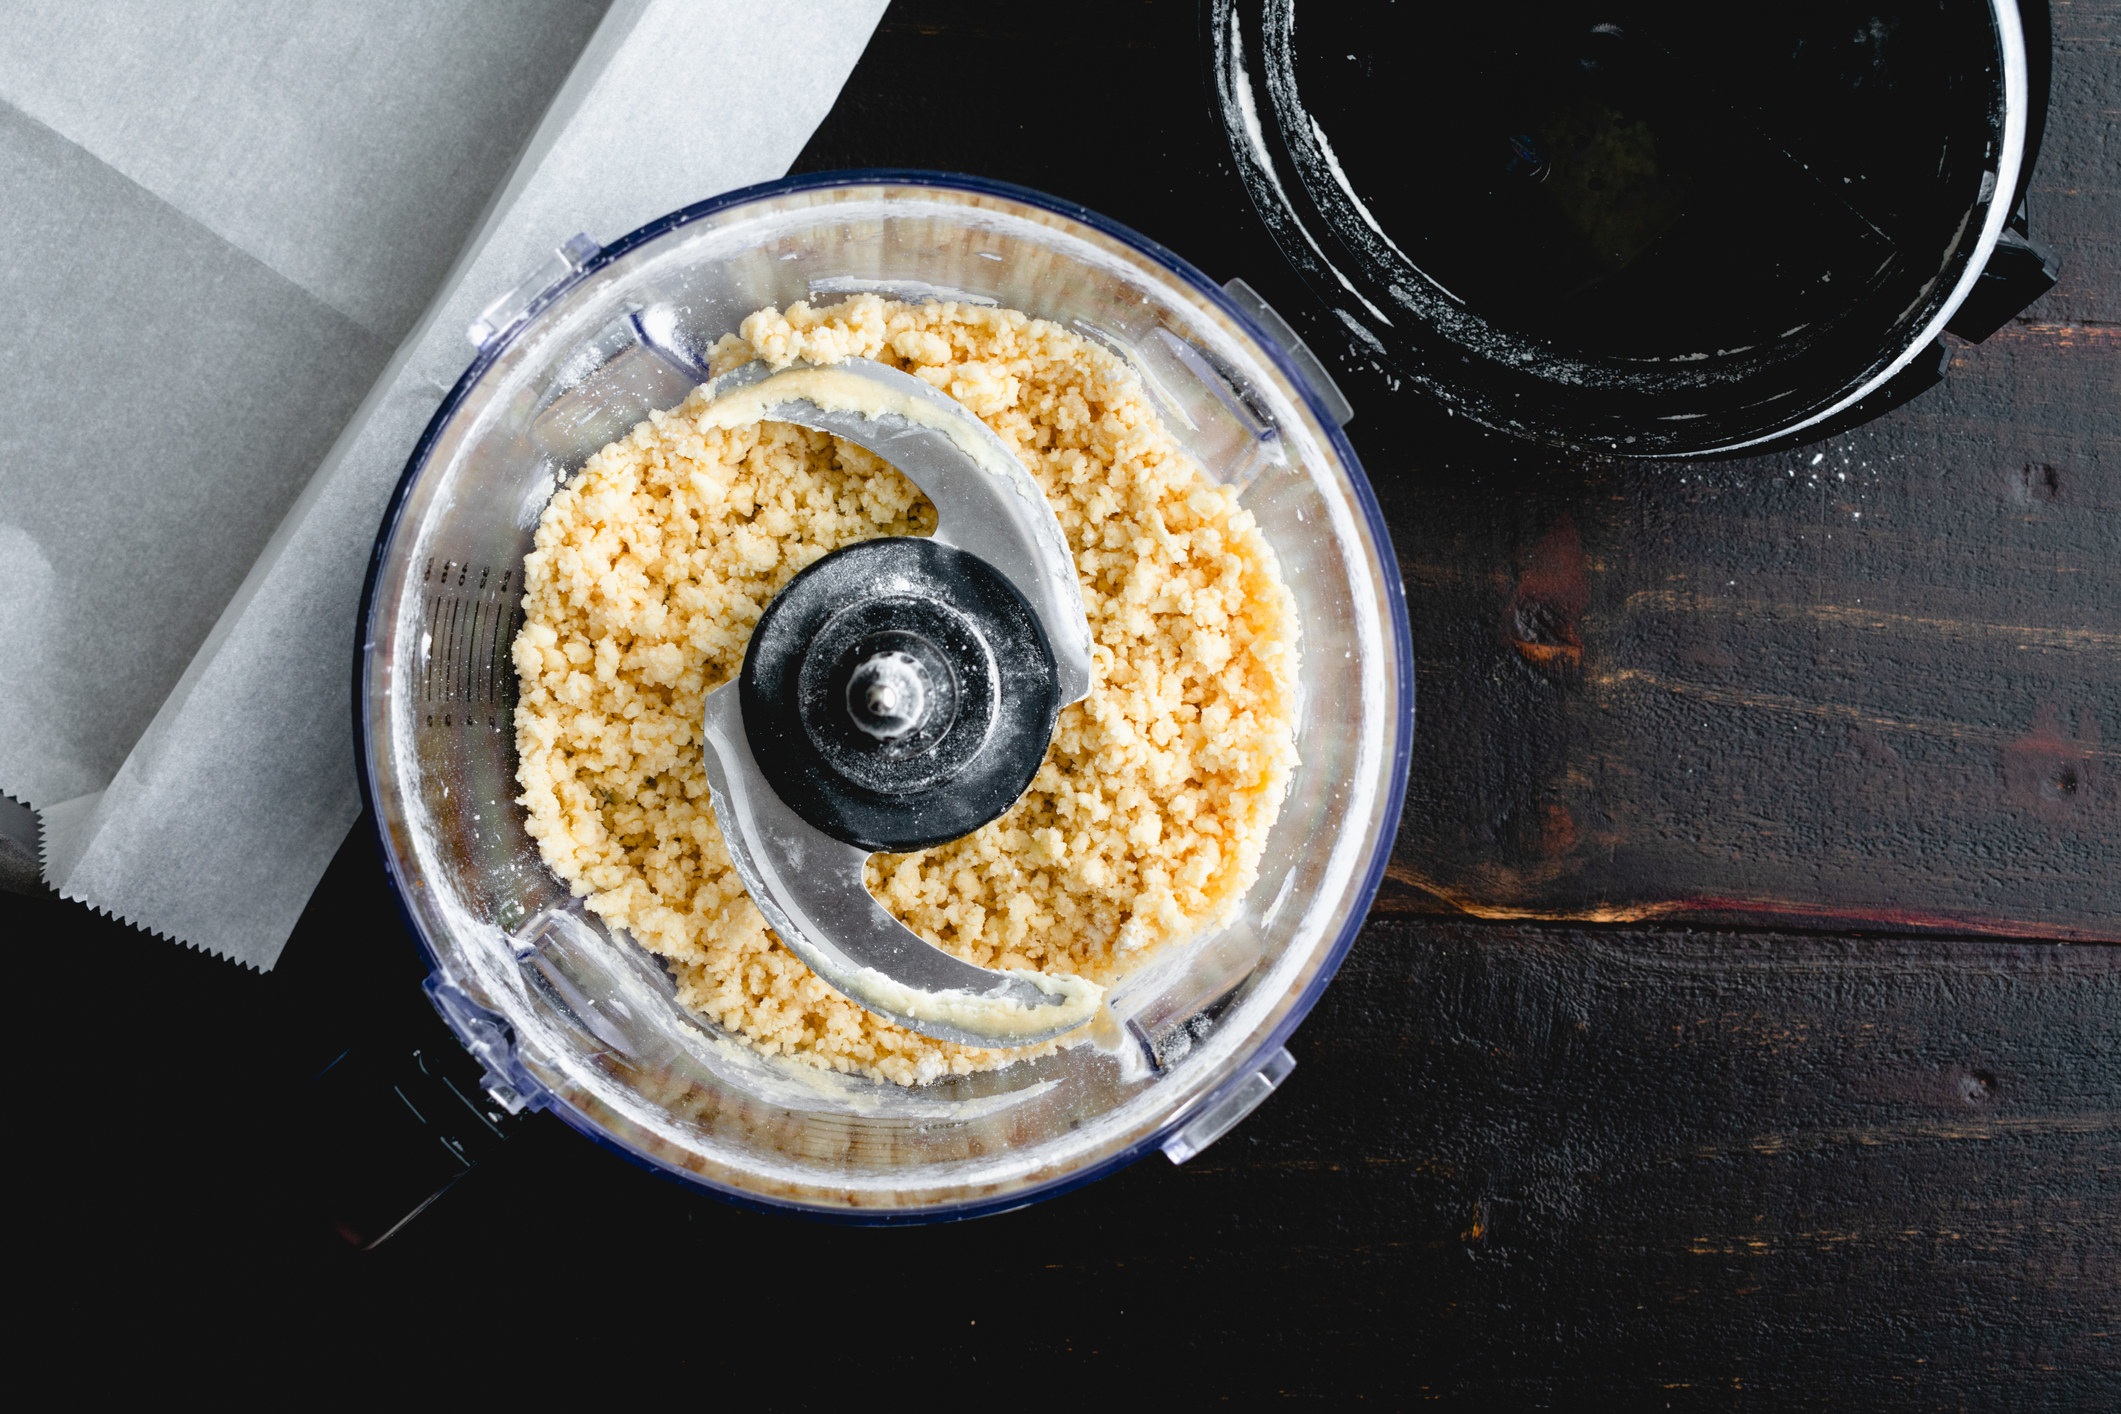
(1873, 681)
(1523, 1167)
(2075, 197)
(1517, 1166)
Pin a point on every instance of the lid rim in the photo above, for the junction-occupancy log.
(1524, 387)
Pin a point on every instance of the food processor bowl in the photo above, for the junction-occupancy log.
(570, 1015)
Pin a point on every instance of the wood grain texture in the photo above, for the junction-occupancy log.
(1874, 681)
(1517, 1167)
(1522, 1168)
(2074, 202)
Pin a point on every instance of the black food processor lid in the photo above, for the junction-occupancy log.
(1648, 226)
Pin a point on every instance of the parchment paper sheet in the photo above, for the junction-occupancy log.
(231, 252)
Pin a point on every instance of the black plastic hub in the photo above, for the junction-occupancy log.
(899, 693)
(1643, 225)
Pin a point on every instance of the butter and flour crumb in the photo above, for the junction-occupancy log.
(1146, 821)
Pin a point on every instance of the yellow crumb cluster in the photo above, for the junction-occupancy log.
(652, 566)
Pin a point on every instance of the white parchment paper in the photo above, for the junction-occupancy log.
(188, 493)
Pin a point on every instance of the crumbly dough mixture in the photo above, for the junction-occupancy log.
(1144, 825)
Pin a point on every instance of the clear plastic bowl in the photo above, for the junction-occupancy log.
(569, 1016)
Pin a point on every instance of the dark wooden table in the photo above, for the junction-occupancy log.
(1740, 1023)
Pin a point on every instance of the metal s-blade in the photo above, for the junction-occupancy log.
(809, 887)
(987, 503)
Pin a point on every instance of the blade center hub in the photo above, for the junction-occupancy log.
(887, 694)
